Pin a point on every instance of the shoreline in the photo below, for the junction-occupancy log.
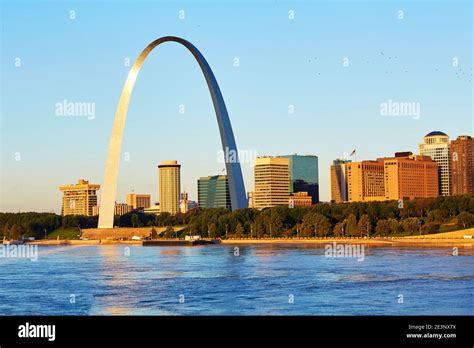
(388, 242)
(380, 242)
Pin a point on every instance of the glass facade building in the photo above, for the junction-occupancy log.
(213, 192)
(304, 175)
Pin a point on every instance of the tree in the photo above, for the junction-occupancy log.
(154, 234)
(312, 221)
(338, 229)
(394, 226)
(364, 227)
(212, 230)
(6, 231)
(135, 220)
(14, 232)
(169, 232)
(351, 225)
(382, 227)
(410, 225)
(239, 231)
(465, 219)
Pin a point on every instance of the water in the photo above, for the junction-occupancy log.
(263, 280)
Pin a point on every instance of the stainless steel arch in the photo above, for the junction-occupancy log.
(234, 172)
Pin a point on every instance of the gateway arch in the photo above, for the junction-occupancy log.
(234, 172)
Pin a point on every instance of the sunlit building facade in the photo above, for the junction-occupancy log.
(138, 201)
(80, 198)
(462, 165)
(404, 176)
(436, 145)
(410, 176)
(272, 182)
(169, 186)
(365, 181)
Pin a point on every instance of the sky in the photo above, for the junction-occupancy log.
(306, 77)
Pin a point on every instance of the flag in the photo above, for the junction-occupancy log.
(353, 152)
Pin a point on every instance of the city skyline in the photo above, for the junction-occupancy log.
(330, 111)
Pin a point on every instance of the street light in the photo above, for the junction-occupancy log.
(226, 230)
(314, 231)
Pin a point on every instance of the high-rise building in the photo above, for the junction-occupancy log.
(462, 165)
(410, 176)
(304, 175)
(272, 182)
(169, 186)
(405, 176)
(339, 190)
(80, 198)
(436, 145)
(213, 192)
(138, 201)
(365, 181)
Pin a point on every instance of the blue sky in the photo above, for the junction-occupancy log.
(282, 62)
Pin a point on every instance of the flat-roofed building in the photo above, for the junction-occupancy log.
(80, 198)
(410, 176)
(272, 182)
(300, 199)
(138, 201)
(304, 175)
(462, 165)
(119, 209)
(365, 181)
(404, 176)
(213, 192)
(154, 209)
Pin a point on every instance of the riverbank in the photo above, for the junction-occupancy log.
(393, 242)
(83, 242)
(447, 239)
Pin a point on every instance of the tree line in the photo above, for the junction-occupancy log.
(387, 218)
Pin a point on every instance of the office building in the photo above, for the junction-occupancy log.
(80, 198)
(462, 165)
(436, 145)
(272, 182)
(304, 175)
(404, 176)
(410, 176)
(213, 192)
(169, 186)
(365, 181)
(339, 189)
(138, 201)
